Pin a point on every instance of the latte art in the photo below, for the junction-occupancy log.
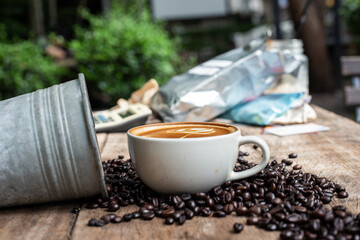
(183, 130)
(192, 130)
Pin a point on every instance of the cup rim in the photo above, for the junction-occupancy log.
(183, 139)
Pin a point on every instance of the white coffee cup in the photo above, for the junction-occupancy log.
(187, 165)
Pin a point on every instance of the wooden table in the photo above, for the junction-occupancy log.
(334, 154)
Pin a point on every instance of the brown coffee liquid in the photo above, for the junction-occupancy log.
(183, 131)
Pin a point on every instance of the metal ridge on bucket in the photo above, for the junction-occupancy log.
(48, 146)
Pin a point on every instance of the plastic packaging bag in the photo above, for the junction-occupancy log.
(263, 110)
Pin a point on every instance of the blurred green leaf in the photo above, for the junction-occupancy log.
(119, 52)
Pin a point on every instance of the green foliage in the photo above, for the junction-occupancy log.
(119, 52)
(23, 69)
(351, 12)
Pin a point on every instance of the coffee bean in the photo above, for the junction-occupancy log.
(113, 207)
(191, 204)
(116, 219)
(136, 215)
(293, 218)
(271, 227)
(127, 217)
(92, 205)
(300, 209)
(255, 210)
(252, 221)
(342, 194)
(189, 214)
(206, 211)
(219, 214)
(292, 155)
(297, 167)
(238, 227)
(148, 215)
(169, 221)
(168, 212)
(182, 220)
(286, 234)
(107, 218)
(242, 210)
(276, 198)
(100, 223)
(200, 195)
(276, 201)
(92, 222)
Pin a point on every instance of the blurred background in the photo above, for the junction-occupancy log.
(119, 45)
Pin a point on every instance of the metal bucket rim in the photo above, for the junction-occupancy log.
(91, 132)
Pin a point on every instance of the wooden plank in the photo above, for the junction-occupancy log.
(101, 138)
(42, 221)
(332, 154)
(116, 144)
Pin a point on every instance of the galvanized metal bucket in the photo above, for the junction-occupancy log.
(48, 146)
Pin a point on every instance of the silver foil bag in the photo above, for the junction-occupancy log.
(213, 87)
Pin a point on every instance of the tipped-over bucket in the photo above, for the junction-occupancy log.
(48, 146)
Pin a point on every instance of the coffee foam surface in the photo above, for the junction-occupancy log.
(183, 130)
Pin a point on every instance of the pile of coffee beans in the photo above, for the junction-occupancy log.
(279, 198)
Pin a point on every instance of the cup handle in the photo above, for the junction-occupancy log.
(265, 158)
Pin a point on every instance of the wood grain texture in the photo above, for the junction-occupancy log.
(42, 221)
(334, 154)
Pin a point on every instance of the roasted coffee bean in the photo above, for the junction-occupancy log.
(127, 217)
(210, 202)
(206, 211)
(252, 221)
(176, 215)
(229, 208)
(219, 214)
(292, 155)
(136, 215)
(342, 194)
(158, 212)
(325, 199)
(200, 195)
(271, 227)
(255, 210)
(197, 210)
(189, 214)
(238, 227)
(217, 190)
(169, 221)
(276, 198)
(182, 220)
(190, 204)
(148, 215)
(287, 234)
(293, 218)
(113, 207)
(241, 211)
(100, 223)
(92, 205)
(276, 201)
(300, 209)
(92, 222)
(297, 167)
(116, 219)
(107, 218)
(168, 212)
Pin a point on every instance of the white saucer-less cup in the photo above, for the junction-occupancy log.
(188, 165)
